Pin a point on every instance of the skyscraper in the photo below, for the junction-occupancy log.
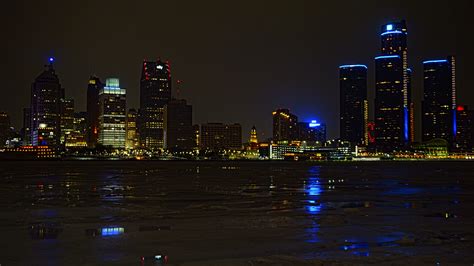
(112, 114)
(465, 130)
(132, 131)
(353, 103)
(392, 94)
(46, 95)
(155, 92)
(178, 122)
(93, 89)
(26, 130)
(439, 101)
(5, 132)
(253, 141)
(285, 125)
(67, 119)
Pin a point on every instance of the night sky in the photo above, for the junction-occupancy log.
(238, 60)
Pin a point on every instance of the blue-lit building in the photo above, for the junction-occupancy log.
(353, 103)
(312, 131)
(439, 101)
(393, 106)
(112, 115)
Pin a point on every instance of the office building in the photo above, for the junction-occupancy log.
(5, 131)
(312, 131)
(67, 119)
(46, 95)
(439, 101)
(285, 125)
(132, 130)
(178, 125)
(353, 103)
(155, 92)
(112, 115)
(465, 131)
(392, 90)
(93, 89)
(219, 136)
(77, 138)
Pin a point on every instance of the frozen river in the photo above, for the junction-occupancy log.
(236, 213)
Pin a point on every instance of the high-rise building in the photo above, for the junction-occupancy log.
(253, 141)
(112, 114)
(216, 136)
(132, 131)
(77, 138)
(67, 119)
(196, 136)
(46, 95)
(285, 125)
(26, 130)
(353, 103)
(312, 131)
(392, 94)
(465, 130)
(178, 122)
(155, 92)
(5, 131)
(439, 102)
(93, 89)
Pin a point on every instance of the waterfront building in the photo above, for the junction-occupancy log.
(133, 140)
(465, 130)
(178, 125)
(219, 136)
(5, 130)
(112, 114)
(285, 125)
(93, 89)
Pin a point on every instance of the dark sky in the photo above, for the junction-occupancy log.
(238, 60)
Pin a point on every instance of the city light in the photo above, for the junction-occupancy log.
(314, 123)
(387, 57)
(389, 27)
(435, 61)
(51, 59)
(353, 66)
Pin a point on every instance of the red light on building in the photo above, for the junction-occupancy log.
(460, 108)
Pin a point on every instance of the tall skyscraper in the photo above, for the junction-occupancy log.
(312, 131)
(26, 130)
(439, 101)
(217, 136)
(178, 122)
(112, 114)
(132, 130)
(67, 119)
(5, 132)
(285, 125)
(46, 95)
(465, 129)
(392, 94)
(353, 103)
(155, 92)
(93, 89)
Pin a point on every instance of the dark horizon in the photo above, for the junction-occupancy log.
(238, 63)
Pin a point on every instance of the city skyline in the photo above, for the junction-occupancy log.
(317, 92)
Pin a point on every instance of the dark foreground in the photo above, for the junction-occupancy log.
(236, 213)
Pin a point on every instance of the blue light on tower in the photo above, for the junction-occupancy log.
(389, 27)
(314, 123)
(51, 59)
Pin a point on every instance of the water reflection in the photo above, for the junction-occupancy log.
(312, 191)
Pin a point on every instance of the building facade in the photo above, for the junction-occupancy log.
(133, 140)
(218, 136)
(392, 95)
(155, 93)
(439, 100)
(285, 125)
(93, 89)
(353, 103)
(112, 115)
(178, 122)
(5, 132)
(46, 95)
(67, 119)
(465, 131)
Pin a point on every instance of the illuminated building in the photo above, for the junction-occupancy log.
(178, 125)
(465, 131)
(46, 95)
(196, 136)
(439, 102)
(155, 92)
(93, 89)
(132, 131)
(218, 136)
(253, 141)
(285, 125)
(112, 114)
(353, 100)
(67, 119)
(77, 138)
(312, 131)
(5, 131)
(26, 129)
(392, 93)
